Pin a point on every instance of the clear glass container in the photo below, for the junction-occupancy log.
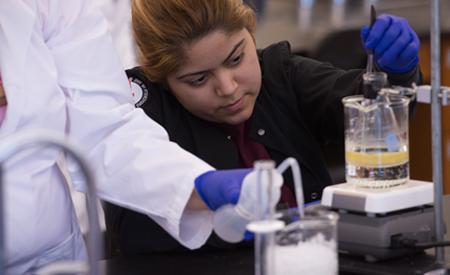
(307, 245)
(376, 140)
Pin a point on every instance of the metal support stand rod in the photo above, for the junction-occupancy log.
(436, 127)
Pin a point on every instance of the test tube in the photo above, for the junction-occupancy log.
(266, 225)
(263, 264)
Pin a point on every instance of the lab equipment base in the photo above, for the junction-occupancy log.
(378, 201)
(374, 237)
(408, 265)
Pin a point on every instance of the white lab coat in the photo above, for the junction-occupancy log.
(60, 73)
(118, 15)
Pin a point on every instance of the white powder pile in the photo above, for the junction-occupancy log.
(311, 257)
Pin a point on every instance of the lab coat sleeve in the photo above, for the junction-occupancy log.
(135, 164)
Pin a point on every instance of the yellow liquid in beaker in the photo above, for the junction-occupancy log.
(376, 159)
(380, 169)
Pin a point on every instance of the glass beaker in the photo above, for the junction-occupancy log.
(376, 140)
(307, 245)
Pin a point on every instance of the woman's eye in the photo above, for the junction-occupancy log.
(198, 81)
(236, 60)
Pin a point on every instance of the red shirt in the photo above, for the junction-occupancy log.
(250, 151)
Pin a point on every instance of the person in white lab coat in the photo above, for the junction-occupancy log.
(118, 14)
(60, 73)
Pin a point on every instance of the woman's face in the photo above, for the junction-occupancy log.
(220, 79)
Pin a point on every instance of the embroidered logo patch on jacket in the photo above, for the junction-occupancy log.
(139, 91)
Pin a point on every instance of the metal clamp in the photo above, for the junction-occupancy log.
(410, 92)
(424, 94)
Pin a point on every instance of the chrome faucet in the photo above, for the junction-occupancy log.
(11, 145)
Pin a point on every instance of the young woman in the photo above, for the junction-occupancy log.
(228, 103)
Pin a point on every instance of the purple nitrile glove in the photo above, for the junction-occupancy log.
(220, 187)
(394, 43)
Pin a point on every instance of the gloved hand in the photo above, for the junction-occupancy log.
(394, 43)
(220, 187)
(230, 221)
(248, 236)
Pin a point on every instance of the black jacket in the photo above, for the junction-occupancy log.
(298, 109)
